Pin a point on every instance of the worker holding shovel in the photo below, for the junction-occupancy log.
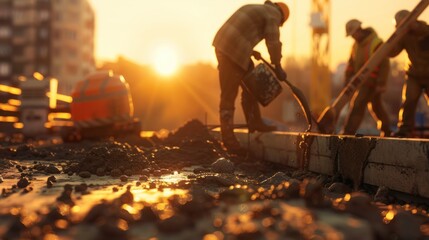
(234, 43)
(370, 92)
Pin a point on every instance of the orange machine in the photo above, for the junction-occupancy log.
(102, 105)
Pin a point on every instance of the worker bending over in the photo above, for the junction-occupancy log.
(234, 43)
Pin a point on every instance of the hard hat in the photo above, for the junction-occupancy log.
(399, 16)
(352, 26)
(285, 10)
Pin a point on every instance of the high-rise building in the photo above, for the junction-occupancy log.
(53, 37)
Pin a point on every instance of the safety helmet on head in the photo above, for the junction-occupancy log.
(399, 16)
(284, 9)
(352, 26)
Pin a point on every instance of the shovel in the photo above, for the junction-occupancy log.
(299, 96)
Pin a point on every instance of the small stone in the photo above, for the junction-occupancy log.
(65, 196)
(313, 193)
(293, 188)
(52, 169)
(49, 183)
(276, 179)
(128, 172)
(143, 178)
(127, 197)
(223, 165)
(340, 188)
(124, 178)
(23, 182)
(192, 176)
(157, 173)
(27, 189)
(52, 179)
(85, 174)
(100, 172)
(382, 194)
(115, 172)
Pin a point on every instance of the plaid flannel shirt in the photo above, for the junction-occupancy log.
(248, 26)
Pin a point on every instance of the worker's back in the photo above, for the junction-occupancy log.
(245, 29)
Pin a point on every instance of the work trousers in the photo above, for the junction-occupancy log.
(411, 92)
(230, 77)
(367, 97)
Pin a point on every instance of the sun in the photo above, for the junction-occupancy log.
(165, 60)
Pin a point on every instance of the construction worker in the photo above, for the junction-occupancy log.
(370, 92)
(234, 43)
(416, 44)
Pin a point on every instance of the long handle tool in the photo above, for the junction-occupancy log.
(299, 96)
(329, 116)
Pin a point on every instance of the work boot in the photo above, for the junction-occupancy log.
(254, 119)
(229, 140)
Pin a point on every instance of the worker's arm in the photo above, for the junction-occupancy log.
(350, 71)
(396, 49)
(274, 46)
(272, 40)
(417, 27)
(420, 28)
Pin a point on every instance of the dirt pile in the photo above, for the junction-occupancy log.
(105, 157)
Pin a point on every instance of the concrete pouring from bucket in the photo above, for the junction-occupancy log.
(399, 164)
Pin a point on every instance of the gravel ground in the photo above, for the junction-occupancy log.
(183, 185)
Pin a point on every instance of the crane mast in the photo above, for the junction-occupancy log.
(320, 87)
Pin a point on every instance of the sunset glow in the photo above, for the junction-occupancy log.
(165, 60)
(191, 25)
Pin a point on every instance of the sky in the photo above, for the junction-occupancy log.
(141, 29)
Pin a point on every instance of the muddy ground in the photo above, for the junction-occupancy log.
(183, 185)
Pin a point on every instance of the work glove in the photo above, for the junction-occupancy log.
(257, 55)
(280, 73)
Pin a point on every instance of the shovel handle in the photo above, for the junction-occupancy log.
(299, 96)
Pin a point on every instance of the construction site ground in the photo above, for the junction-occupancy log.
(183, 185)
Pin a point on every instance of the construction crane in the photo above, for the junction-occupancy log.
(320, 90)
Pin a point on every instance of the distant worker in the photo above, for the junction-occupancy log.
(416, 44)
(370, 92)
(234, 43)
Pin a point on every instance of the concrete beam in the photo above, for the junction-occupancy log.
(399, 164)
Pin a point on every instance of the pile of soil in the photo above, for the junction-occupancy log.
(189, 145)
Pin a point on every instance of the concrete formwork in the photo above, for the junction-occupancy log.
(399, 164)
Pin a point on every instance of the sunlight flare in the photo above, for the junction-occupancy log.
(165, 60)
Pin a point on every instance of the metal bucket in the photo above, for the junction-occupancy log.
(263, 84)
